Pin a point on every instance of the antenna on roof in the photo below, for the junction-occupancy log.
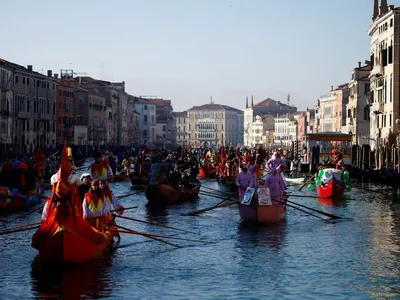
(211, 100)
(288, 99)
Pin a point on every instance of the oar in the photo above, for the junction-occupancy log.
(206, 187)
(125, 208)
(156, 224)
(130, 194)
(195, 212)
(26, 214)
(307, 182)
(162, 236)
(150, 237)
(3, 220)
(18, 230)
(302, 210)
(20, 226)
(319, 211)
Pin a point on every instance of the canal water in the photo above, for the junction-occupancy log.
(301, 258)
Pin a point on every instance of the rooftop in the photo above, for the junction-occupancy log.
(270, 103)
(215, 107)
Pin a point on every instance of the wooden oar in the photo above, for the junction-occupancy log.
(206, 187)
(319, 211)
(156, 224)
(18, 230)
(20, 226)
(125, 208)
(26, 214)
(162, 236)
(307, 182)
(151, 237)
(302, 210)
(130, 194)
(195, 212)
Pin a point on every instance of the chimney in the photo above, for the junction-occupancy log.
(391, 7)
(247, 102)
(30, 68)
(383, 8)
(55, 76)
(252, 102)
(359, 64)
(49, 73)
(331, 88)
(376, 10)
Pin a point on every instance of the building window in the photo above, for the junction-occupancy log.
(16, 79)
(145, 107)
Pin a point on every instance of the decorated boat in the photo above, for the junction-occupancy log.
(260, 208)
(331, 183)
(163, 194)
(18, 202)
(72, 241)
(64, 236)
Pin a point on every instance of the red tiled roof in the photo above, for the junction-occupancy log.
(180, 114)
(268, 102)
(159, 102)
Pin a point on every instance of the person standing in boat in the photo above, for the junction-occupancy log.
(337, 159)
(93, 206)
(252, 170)
(276, 165)
(86, 180)
(275, 185)
(244, 180)
(100, 169)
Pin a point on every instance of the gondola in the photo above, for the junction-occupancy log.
(163, 194)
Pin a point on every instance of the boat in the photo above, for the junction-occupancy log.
(227, 184)
(80, 162)
(163, 194)
(75, 242)
(120, 178)
(259, 211)
(331, 183)
(293, 180)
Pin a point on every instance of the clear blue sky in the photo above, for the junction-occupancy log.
(189, 50)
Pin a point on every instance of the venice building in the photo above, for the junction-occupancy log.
(384, 77)
(213, 125)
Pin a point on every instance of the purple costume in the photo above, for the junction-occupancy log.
(276, 188)
(252, 170)
(243, 181)
(275, 165)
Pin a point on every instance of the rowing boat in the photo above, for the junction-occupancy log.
(162, 194)
(293, 180)
(332, 184)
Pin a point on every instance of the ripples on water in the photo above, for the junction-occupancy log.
(300, 258)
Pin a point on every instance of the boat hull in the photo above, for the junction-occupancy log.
(331, 189)
(262, 214)
(163, 194)
(205, 172)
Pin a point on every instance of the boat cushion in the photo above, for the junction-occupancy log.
(328, 173)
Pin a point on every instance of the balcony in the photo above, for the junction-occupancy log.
(378, 107)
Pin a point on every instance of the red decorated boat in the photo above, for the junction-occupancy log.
(207, 171)
(262, 209)
(332, 184)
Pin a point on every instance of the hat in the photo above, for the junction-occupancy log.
(86, 175)
(335, 151)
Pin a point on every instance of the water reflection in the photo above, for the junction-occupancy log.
(335, 202)
(156, 212)
(69, 281)
(262, 235)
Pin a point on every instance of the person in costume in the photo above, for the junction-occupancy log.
(337, 159)
(244, 180)
(93, 206)
(86, 180)
(100, 169)
(276, 165)
(275, 186)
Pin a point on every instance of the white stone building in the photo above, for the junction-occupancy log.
(285, 130)
(358, 108)
(385, 57)
(211, 125)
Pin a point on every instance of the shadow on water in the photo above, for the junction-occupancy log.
(264, 235)
(156, 212)
(71, 281)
